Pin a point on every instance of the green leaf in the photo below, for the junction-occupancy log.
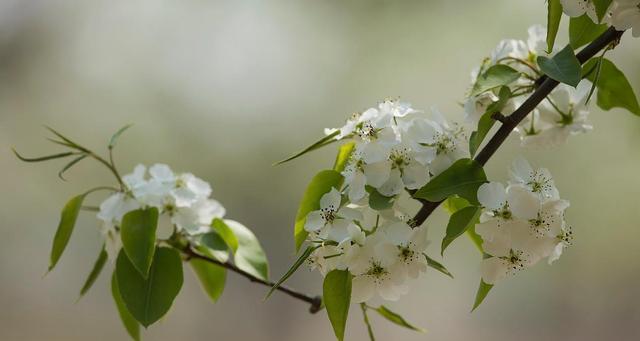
(454, 204)
(495, 76)
(148, 299)
(582, 31)
(437, 266)
(463, 179)
(396, 318)
(486, 121)
(563, 66)
(319, 185)
(138, 234)
(459, 223)
(601, 8)
(116, 136)
(212, 245)
(212, 277)
(130, 324)
(378, 201)
(336, 291)
(325, 141)
(68, 219)
(554, 14)
(42, 158)
(71, 164)
(225, 233)
(249, 257)
(483, 291)
(303, 257)
(614, 90)
(95, 272)
(344, 154)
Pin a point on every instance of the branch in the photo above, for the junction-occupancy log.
(544, 87)
(315, 302)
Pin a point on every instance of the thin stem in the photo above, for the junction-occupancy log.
(544, 87)
(314, 301)
(365, 316)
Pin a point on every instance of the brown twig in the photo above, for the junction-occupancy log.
(314, 301)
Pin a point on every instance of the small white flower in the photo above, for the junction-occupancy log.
(405, 172)
(327, 258)
(375, 270)
(330, 216)
(506, 260)
(358, 174)
(626, 15)
(411, 244)
(189, 189)
(116, 206)
(576, 8)
(538, 181)
(197, 218)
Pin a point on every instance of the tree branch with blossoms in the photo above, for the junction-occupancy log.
(351, 224)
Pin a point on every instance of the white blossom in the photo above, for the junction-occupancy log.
(626, 15)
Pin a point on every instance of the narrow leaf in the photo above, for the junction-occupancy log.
(495, 76)
(225, 233)
(148, 299)
(459, 223)
(212, 277)
(437, 266)
(463, 179)
(130, 324)
(318, 144)
(336, 291)
(554, 15)
(582, 31)
(344, 154)
(483, 291)
(303, 257)
(563, 66)
(116, 136)
(71, 164)
(138, 234)
(319, 185)
(397, 319)
(42, 158)
(249, 257)
(95, 272)
(614, 90)
(68, 219)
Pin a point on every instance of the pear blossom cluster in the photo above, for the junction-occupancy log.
(562, 114)
(183, 197)
(397, 148)
(621, 14)
(521, 223)
(381, 249)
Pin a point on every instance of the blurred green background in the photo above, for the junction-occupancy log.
(223, 89)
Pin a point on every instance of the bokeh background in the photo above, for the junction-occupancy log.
(223, 89)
